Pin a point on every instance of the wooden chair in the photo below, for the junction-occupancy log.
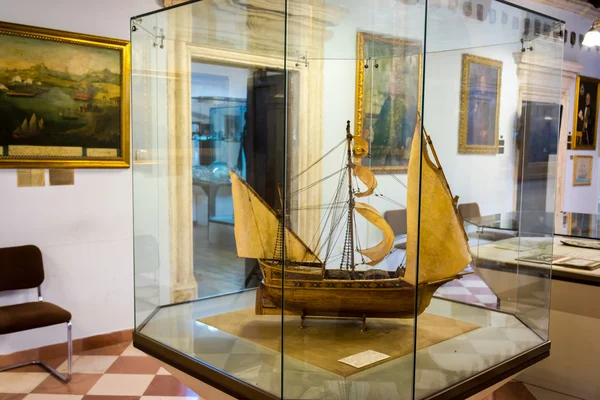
(471, 210)
(22, 268)
(397, 221)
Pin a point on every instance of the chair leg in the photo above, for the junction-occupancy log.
(69, 348)
(48, 368)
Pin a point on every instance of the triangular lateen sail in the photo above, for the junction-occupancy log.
(443, 248)
(381, 249)
(366, 176)
(256, 226)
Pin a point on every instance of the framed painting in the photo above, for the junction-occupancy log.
(582, 170)
(585, 114)
(479, 105)
(64, 99)
(389, 73)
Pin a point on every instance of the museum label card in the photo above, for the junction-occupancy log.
(30, 177)
(60, 177)
(363, 359)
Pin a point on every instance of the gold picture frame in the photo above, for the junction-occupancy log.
(480, 97)
(389, 56)
(582, 170)
(65, 98)
(585, 138)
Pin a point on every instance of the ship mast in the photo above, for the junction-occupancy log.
(348, 254)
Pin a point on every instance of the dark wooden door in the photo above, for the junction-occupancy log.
(537, 143)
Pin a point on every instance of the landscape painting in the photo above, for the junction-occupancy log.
(64, 99)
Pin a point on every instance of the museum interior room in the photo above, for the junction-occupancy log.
(300, 199)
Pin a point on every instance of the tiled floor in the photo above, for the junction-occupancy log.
(470, 289)
(121, 372)
(118, 372)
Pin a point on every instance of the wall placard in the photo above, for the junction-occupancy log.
(61, 177)
(31, 177)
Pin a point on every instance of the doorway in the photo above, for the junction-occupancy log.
(537, 141)
(238, 120)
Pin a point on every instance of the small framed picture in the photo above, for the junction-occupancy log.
(582, 170)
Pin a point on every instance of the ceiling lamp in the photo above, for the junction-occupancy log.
(592, 37)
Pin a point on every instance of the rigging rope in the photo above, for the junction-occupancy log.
(358, 246)
(396, 179)
(319, 160)
(337, 216)
(314, 183)
(329, 215)
(325, 219)
(319, 206)
(381, 195)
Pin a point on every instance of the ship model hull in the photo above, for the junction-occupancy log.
(360, 298)
(352, 302)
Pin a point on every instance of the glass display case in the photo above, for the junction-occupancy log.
(370, 135)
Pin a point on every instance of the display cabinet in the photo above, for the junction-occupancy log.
(368, 136)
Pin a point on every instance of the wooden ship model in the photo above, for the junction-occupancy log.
(302, 284)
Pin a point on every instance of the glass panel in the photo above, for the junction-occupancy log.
(537, 143)
(148, 87)
(219, 128)
(492, 110)
(357, 66)
(209, 114)
(288, 174)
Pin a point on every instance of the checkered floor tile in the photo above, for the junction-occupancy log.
(470, 289)
(118, 372)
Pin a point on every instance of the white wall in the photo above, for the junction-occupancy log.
(85, 230)
(237, 81)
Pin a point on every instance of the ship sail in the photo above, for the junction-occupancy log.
(378, 252)
(361, 147)
(443, 250)
(33, 125)
(366, 176)
(256, 227)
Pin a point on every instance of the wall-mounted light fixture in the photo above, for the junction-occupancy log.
(592, 37)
